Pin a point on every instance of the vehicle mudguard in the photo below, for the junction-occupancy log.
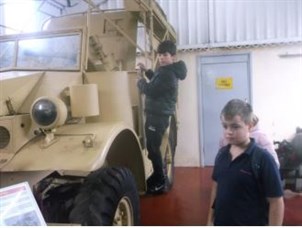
(79, 149)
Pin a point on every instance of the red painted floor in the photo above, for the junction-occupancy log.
(187, 203)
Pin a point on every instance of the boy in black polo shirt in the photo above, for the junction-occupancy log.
(238, 196)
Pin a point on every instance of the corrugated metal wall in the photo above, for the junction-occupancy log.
(206, 23)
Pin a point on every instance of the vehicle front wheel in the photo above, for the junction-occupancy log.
(108, 197)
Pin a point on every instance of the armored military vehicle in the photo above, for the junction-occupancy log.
(71, 117)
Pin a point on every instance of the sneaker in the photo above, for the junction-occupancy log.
(151, 181)
(157, 188)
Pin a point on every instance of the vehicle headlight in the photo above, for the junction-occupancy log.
(48, 112)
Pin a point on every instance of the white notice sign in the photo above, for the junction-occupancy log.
(18, 207)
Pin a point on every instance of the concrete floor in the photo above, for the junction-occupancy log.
(187, 203)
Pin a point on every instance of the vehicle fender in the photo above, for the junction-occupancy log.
(113, 144)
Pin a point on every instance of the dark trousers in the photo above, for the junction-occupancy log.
(155, 128)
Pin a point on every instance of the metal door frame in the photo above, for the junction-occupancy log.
(200, 96)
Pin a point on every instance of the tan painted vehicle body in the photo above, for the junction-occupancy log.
(95, 48)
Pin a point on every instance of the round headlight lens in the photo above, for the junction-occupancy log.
(44, 112)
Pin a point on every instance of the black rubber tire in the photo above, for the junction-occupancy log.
(100, 195)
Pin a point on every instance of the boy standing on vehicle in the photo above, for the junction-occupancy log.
(161, 96)
(239, 197)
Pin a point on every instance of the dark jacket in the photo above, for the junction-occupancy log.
(162, 90)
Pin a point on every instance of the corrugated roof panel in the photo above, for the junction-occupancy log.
(202, 23)
(189, 18)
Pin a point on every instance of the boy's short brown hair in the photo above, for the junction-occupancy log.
(238, 107)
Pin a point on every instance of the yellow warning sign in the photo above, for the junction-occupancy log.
(224, 83)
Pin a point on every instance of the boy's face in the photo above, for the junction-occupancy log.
(165, 58)
(236, 131)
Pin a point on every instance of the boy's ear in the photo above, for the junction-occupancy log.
(250, 125)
